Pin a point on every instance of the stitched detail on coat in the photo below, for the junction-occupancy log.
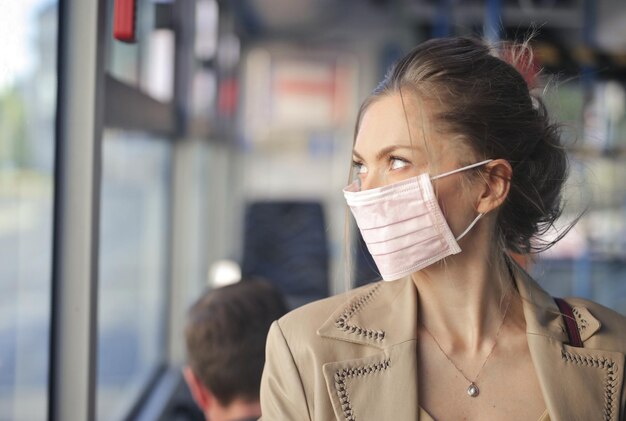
(355, 306)
(610, 382)
(580, 320)
(342, 390)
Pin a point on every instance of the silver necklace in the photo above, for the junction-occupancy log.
(472, 390)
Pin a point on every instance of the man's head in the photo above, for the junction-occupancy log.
(225, 335)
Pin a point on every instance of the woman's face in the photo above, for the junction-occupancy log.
(387, 150)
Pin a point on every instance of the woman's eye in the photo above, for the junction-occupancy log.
(397, 163)
(359, 168)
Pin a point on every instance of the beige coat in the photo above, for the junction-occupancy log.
(353, 357)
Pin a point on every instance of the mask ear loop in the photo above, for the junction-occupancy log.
(469, 167)
(445, 174)
(464, 233)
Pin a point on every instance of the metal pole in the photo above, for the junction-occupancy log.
(184, 27)
(589, 42)
(76, 210)
(583, 265)
(443, 19)
(492, 24)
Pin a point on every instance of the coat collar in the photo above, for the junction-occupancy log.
(381, 315)
(577, 383)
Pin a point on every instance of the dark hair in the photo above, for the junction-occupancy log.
(225, 335)
(486, 100)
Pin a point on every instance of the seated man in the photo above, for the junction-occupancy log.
(225, 336)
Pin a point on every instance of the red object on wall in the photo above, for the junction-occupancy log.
(228, 92)
(124, 21)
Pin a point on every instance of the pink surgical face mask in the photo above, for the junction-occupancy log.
(403, 225)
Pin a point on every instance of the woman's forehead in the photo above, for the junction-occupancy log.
(394, 119)
(408, 122)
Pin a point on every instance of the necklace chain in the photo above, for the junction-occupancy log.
(473, 389)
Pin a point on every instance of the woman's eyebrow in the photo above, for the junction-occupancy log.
(386, 151)
(357, 155)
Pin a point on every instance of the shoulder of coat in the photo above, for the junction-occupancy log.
(606, 327)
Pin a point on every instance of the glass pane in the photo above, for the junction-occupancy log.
(28, 31)
(133, 267)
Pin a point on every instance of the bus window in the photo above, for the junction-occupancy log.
(28, 90)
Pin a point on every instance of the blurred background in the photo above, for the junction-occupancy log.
(223, 140)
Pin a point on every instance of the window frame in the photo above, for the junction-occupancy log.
(78, 134)
(86, 105)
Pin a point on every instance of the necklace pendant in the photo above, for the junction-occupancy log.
(473, 390)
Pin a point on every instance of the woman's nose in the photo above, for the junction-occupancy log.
(372, 180)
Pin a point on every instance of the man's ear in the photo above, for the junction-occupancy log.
(200, 393)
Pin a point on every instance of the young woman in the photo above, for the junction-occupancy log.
(458, 166)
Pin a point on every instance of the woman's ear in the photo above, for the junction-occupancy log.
(497, 177)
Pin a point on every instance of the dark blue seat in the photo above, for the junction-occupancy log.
(285, 242)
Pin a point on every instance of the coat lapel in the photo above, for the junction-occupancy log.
(381, 315)
(576, 383)
(384, 317)
(378, 387)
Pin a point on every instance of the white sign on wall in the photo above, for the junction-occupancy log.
(298, 93)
